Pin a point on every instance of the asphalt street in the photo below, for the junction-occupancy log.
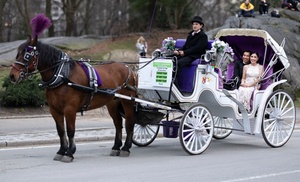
(18, 131)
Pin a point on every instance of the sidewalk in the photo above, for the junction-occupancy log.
(17, 131)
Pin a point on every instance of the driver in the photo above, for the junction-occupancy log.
(195, 45)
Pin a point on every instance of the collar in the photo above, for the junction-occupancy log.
(193, 33)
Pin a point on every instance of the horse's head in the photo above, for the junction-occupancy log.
(26, 60)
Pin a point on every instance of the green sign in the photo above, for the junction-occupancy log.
(162, 65)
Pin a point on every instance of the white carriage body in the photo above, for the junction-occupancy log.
(209, 110)
(206, 86)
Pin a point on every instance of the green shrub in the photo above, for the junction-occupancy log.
(26, 93)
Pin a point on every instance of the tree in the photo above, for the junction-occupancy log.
(176, 11)
(2, 4)
(24, 13)
(70, 7)
(48, 14)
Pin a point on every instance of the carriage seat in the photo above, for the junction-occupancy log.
(232, 83)
(186, 79)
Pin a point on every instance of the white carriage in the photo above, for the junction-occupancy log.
(199, 109)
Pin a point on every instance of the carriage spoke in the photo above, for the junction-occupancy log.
(271, 123)
(220, 124)
(144, 135)
(285, 112)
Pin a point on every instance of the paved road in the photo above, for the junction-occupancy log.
(40, 129)
(238, 158)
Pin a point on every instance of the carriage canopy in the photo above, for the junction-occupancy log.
(255, 40)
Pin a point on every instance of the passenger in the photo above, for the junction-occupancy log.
(246, 9)
(194, 47)
(264, 7)
(250, 80)
(238, 71)
(141, 46)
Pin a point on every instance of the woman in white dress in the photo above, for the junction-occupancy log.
(250, 80)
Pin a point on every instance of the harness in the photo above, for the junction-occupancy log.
(93, 83)
(61, 72)
(93, 88)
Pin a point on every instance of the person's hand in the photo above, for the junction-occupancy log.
(176, 52)
(181, 53)
(245, 85)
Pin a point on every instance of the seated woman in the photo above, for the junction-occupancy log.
(251, 77)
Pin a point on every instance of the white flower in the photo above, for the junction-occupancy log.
(221, 46)
(168, 44)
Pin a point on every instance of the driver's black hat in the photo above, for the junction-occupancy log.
(197, 19)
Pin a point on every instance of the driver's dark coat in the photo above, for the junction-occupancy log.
(195, 45)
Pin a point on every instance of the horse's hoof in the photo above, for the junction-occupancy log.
(115, 153)
(124, 153)
(66, 159)
(58, 157)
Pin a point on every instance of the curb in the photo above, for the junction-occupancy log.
(25, 116)
(45, 138)
(51, 141)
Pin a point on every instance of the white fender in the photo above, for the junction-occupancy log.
(263, 102)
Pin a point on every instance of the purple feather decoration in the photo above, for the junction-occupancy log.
(39, 23)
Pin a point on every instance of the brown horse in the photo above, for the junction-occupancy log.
(65, 101)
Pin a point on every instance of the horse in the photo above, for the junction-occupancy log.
(65, 101)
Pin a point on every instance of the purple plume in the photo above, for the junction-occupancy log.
(39, 23)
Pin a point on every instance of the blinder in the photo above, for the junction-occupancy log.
(30, 53)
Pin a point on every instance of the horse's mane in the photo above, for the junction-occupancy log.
(49, 55)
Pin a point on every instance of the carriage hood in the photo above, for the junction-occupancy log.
(254, 40)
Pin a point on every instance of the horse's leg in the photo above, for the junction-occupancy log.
(117, 119)
(60, 127)
(70, 116)
(128, 107)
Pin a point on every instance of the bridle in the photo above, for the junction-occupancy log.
(31, 60)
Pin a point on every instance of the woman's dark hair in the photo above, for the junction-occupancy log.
(255, 53)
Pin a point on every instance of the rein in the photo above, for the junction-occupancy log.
(147, 62)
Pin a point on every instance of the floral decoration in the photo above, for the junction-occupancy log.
(221, 46)
(168, 44)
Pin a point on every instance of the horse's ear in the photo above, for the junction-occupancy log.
(34, 40)
(28, 38)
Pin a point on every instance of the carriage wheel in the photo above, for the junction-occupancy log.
(144, 135)
(278, 120)
(196, 129)
(219, 124)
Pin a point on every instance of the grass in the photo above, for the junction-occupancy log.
(297, 103)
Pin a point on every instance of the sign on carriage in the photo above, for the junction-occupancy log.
(157, 75)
